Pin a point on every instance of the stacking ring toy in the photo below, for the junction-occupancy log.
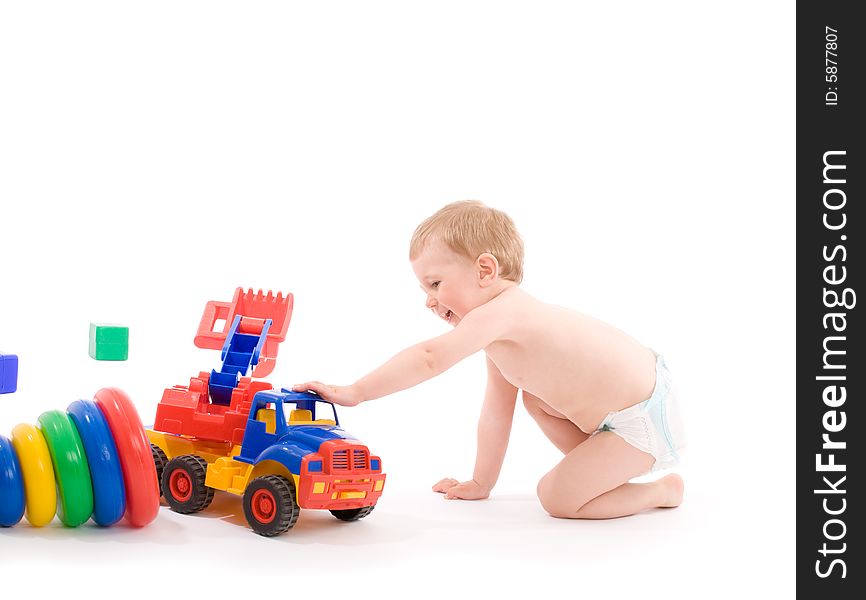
(39, 491)
(11, 485)
(136, 460)
(109, 499)
(70, 466)
(92, 461)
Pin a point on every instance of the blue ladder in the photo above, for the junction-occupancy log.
(239, 354)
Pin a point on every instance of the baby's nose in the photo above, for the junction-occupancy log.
(431, 301)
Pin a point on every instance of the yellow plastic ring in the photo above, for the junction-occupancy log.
(39, 485)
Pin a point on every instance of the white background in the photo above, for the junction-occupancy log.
(156, 156)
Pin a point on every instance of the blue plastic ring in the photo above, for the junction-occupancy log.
(109, 496)
(11, 485)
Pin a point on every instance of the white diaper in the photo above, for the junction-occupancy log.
(655, 425)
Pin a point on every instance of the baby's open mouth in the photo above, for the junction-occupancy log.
(447, 316)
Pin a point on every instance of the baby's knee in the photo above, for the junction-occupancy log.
(558, 502)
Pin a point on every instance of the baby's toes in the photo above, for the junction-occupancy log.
(672, 486)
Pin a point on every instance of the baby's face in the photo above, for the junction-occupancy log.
(449, 280)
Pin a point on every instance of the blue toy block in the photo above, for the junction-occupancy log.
(8, 373)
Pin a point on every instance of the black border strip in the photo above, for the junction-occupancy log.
(830, 336)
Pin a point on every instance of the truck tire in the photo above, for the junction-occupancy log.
(270, 505)
(159, 460)
(353, 514)
(183, 484)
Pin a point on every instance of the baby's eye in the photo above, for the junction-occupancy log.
(434, 285)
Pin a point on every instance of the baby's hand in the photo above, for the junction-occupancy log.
(344, 396)
(468, 490)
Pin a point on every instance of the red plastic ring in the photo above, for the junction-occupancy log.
(264, 506)
(136, 461)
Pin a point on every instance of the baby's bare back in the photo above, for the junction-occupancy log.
(579, 366)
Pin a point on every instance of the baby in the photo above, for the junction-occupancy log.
(603, 399)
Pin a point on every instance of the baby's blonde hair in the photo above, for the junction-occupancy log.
(469, 228)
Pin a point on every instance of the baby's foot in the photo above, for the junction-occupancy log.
(672, 490)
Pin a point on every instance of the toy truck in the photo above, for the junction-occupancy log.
(226, 431)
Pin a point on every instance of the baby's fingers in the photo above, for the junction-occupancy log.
(316, 386)
(444, 485)
(458, 491)
(466, 491)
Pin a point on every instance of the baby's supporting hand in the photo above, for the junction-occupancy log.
(342, 395)
(468, 490)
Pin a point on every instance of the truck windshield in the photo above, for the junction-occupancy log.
(325, 414)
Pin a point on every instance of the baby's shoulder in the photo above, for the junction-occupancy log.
(510, 300)
(513, 306)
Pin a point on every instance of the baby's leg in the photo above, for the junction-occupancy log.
(564, 434)
(591, 482)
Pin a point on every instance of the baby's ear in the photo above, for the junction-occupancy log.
(487, 268)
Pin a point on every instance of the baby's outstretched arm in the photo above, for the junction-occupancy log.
(417, 363)
(494, 428)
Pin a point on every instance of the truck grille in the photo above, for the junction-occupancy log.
(359, 459)
(341, 459)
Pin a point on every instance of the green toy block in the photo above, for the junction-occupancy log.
(108, 342)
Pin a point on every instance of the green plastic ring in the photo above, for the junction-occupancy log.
(70, 467)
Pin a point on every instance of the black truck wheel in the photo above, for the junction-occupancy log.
(159, 460)
(353, 514)
(270, 505)
(183, 484)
